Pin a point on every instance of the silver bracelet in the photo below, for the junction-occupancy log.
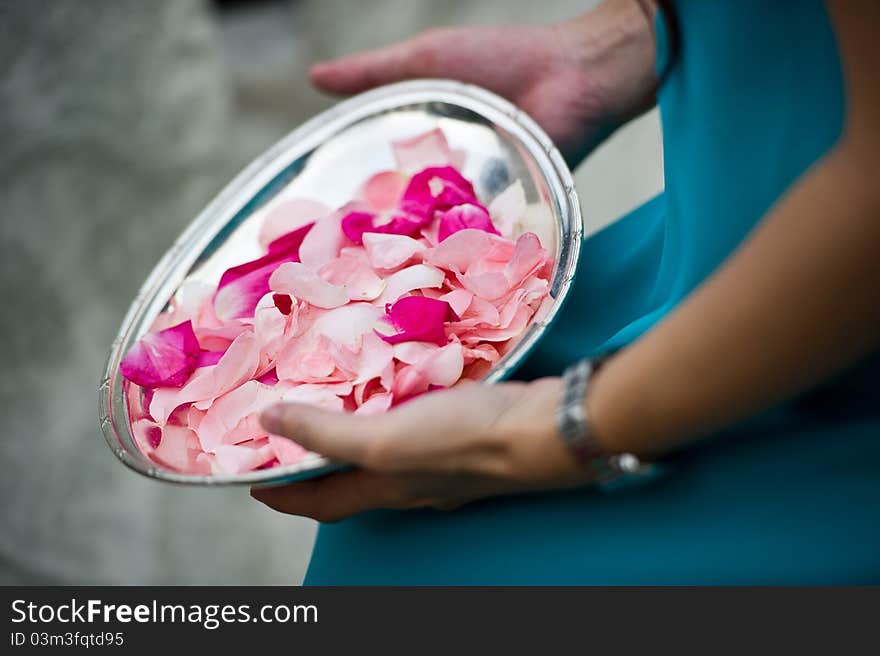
(575, 428)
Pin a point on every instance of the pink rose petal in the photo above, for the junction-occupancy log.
(289, 215)
(383, 190)
(423, 150)
(358, 223)
(241, 287)
(436, 188)
(240, 458)
(376, 404)
(402, 282)
(389, 251)
(352, 271)
(301, 282)
(324, 240)
(468, 248)
(236, 366)
(442, 368)
(186, 305)
(419, 319)
(508, 208)
(459, 300)
(406, 290)
(163, 359)
(463, 217)
(178, 450)
(286, 450)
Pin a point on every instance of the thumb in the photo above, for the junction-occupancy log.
(365, 70)
(339, 436)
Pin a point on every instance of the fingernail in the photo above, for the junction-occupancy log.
(271, 419)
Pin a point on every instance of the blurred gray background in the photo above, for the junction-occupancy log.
(119, 120)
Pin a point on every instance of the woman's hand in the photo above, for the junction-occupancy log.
(441, 450)
(574, 78)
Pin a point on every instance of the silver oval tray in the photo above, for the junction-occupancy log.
(327, 158)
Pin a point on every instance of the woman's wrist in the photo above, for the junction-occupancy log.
(614, 45)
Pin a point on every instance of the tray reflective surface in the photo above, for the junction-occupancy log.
(327, 159)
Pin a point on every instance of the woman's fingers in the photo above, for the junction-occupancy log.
(334, 497)
(365, 70)
(338, 435)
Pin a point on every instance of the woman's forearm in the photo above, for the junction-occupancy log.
(797, 303)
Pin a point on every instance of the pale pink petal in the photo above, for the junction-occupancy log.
(409, 279)
(147, 434)
(468, 248)
(490, 285)
(508, 208)
(459, 300)
(515, 328)
(443, 367)
(389, 251)
(271, 328)
(163, 359)
(240, 458)
(413, 352)
(423, 150)
(483, 312)
(457, 158)
(288, 215)
(286, 450)
(301, 358)
(352, 271)
(409, 381)
(376, 404)
(382, 191)
(527, 258)
(348, 324)
(178, 450)
(227, 411)
(485, 352)
(301, 282)
(184, 305)
(374, 356)
(530, 291)
(439, 368)
(324, 240)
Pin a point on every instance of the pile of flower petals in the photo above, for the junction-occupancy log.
(413, 286)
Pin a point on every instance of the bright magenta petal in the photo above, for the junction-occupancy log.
(464, 216)
(419, 319)
(242, 287)
(163, 359)
(436, 188)
(356, 224)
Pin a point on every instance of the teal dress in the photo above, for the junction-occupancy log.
(755, 97)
